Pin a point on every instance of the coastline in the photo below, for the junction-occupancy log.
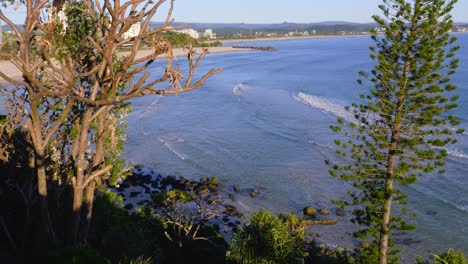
(10, 69)
(291, 38)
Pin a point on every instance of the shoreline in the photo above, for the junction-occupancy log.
(291, 38)
(11, 71)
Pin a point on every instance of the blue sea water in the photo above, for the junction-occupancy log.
(264, 123)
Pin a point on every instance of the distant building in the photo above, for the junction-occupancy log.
(209, 34)
(461, 29)
(191, 32)
(133, 31)
(60, 17)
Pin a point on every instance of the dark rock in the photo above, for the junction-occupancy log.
(128, 206)
(340, 212)
(320, 222)
(172, 179)
(134, 194)
(154, 185)
(146, 178)
(204, 180)
(324, 212)
(214, 181)
(430, 212)
(236, 188)
(407, 241)
(139, 166)
(315, 235)
(230, 208)
(253, 193)
(256, 48)
(309, 211)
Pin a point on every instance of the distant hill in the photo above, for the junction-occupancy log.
(201, 26)
(229, 29)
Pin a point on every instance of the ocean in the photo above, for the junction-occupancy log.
(264, 123)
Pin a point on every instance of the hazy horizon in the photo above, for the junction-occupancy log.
(272, 12)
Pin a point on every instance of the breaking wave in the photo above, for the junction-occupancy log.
(240, 89)
(324, 105)
(151, 109)
(458, 154)
(426, 191)
(172, 149)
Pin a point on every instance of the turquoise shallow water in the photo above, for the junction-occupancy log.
(264, 122)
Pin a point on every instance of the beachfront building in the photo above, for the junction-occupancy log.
(209, 34)
(58, 16)
(133, 31)
(191, 32)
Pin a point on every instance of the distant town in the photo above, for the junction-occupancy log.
(222, 31)
(217, 31)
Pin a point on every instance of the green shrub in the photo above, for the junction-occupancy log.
(268, 239)
(140, 260)
(119, 235)
(450, 256)
(74, 255)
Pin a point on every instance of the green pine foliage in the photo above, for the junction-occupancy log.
(268, 239)
(450, 256)
(403, 123)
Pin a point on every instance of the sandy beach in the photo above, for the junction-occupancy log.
(10, 70)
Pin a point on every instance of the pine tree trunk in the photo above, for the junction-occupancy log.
(384, 230)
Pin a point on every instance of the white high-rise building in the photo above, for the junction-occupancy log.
(191, 32)
(209, 34)
(133, 31)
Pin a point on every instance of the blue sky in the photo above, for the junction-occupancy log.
(277, 11)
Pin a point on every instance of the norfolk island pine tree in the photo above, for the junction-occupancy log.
(402, 124)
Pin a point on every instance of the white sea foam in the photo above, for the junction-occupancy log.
(240, 89)
(324, 105)
(426, 191)
(244, 206)
(458, 154)
(151, 109)
(172, 149)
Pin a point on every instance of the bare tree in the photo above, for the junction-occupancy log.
(78, 91)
